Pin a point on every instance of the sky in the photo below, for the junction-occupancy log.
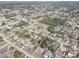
(39, 0)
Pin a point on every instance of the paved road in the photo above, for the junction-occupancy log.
(5, 39)
(3, 46)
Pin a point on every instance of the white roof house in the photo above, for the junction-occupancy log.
(39, 50)
(47, 54)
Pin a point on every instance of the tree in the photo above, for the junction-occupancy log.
(52, 22)
(1, 39)
(17, 54)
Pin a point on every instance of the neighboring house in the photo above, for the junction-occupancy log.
(47, 54)
(39, 50)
